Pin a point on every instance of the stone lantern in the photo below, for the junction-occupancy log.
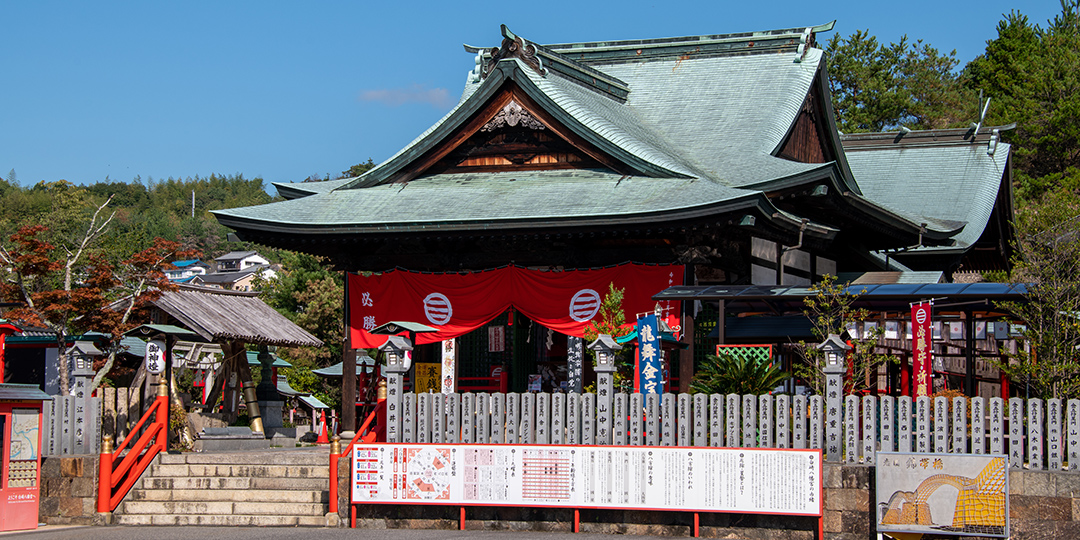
(397, 364)
(835, 350)
(605, 348)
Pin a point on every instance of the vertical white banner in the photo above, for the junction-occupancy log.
(448, 376)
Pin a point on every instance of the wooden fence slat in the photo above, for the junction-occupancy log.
(733, 421)
(1016, 433)
(618, 427)
(887, 441)
(498, 418)
(978, 425)
(851, 429)
(637, 413)
(1053, 434)
(558, 418)
(903, 424)
(1072, 432)
(652, 419)
(765, 421)
(798, 422)
(783, 421)
(869, 429)
(923, 441)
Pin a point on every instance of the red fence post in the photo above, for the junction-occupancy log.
(335, 455)
(162, 402)
(105, 467)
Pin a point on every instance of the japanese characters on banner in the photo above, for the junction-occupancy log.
(449, 368)
(648, 331)
(653, 478)
(456, 304)
(921, 345)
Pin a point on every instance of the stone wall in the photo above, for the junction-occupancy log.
(68, 494)
(1043, 505)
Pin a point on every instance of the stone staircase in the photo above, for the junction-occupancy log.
(277, 488)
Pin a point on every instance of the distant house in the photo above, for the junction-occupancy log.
(187, 269)
(235, 261)
(242, 280)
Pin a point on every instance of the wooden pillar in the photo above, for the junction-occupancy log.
(686, 356)
(970, 389)
(348, 370)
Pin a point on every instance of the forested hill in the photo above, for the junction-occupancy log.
(143, 210)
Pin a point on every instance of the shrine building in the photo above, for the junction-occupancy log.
(648, 163)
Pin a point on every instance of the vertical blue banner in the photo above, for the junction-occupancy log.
(648, 331)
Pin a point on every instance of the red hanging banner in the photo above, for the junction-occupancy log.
(921, 344)
(456, 304)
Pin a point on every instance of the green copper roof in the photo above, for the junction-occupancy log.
(932, 177)
(699, 124)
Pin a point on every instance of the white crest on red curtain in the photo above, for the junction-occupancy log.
(437, 308)
(584, 305)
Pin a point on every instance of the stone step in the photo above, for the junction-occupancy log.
(234, 482)
(184, 470)
(218, 520)
(299, 457)
(224, 508)
(246, 495)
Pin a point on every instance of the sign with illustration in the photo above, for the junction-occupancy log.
(956, 494)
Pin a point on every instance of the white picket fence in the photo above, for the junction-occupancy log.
(1035, 435)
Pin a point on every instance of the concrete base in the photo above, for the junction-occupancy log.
(230, 439)
(271, 412)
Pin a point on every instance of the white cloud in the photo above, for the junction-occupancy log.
(417, 93)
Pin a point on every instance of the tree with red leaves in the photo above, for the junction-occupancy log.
(71, 290)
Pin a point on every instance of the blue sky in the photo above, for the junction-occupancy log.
(284, 90)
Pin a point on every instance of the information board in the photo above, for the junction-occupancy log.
(693, 479)
(957, 494)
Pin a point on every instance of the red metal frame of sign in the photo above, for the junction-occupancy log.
(19, 504)
(354, 474)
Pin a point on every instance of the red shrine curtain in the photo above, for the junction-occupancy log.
(460, 303)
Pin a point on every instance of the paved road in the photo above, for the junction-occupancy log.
(281, 533)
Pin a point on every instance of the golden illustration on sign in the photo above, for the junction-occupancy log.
(943, 502)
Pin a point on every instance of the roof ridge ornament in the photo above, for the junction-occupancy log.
(806, 42)
(513, 46)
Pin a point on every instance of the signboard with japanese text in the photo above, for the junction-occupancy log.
(649, 367)
(449, 366)
(155, 357)
(921, 345)
(427, 377)
(956, 494)
(693, 479)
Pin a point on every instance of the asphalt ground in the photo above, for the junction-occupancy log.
(53, 532)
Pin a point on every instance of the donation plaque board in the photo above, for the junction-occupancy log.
(693, 479)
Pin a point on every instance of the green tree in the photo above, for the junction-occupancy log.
(1048, 261)
(831, 308)
(611, 320)
(1031, 73)
(876, 87)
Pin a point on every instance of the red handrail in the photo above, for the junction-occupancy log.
(365, 433)
(136, 460)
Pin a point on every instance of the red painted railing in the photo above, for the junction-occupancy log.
(367, 433)
(115, 481)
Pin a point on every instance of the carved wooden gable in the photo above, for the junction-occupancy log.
(511, 133)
